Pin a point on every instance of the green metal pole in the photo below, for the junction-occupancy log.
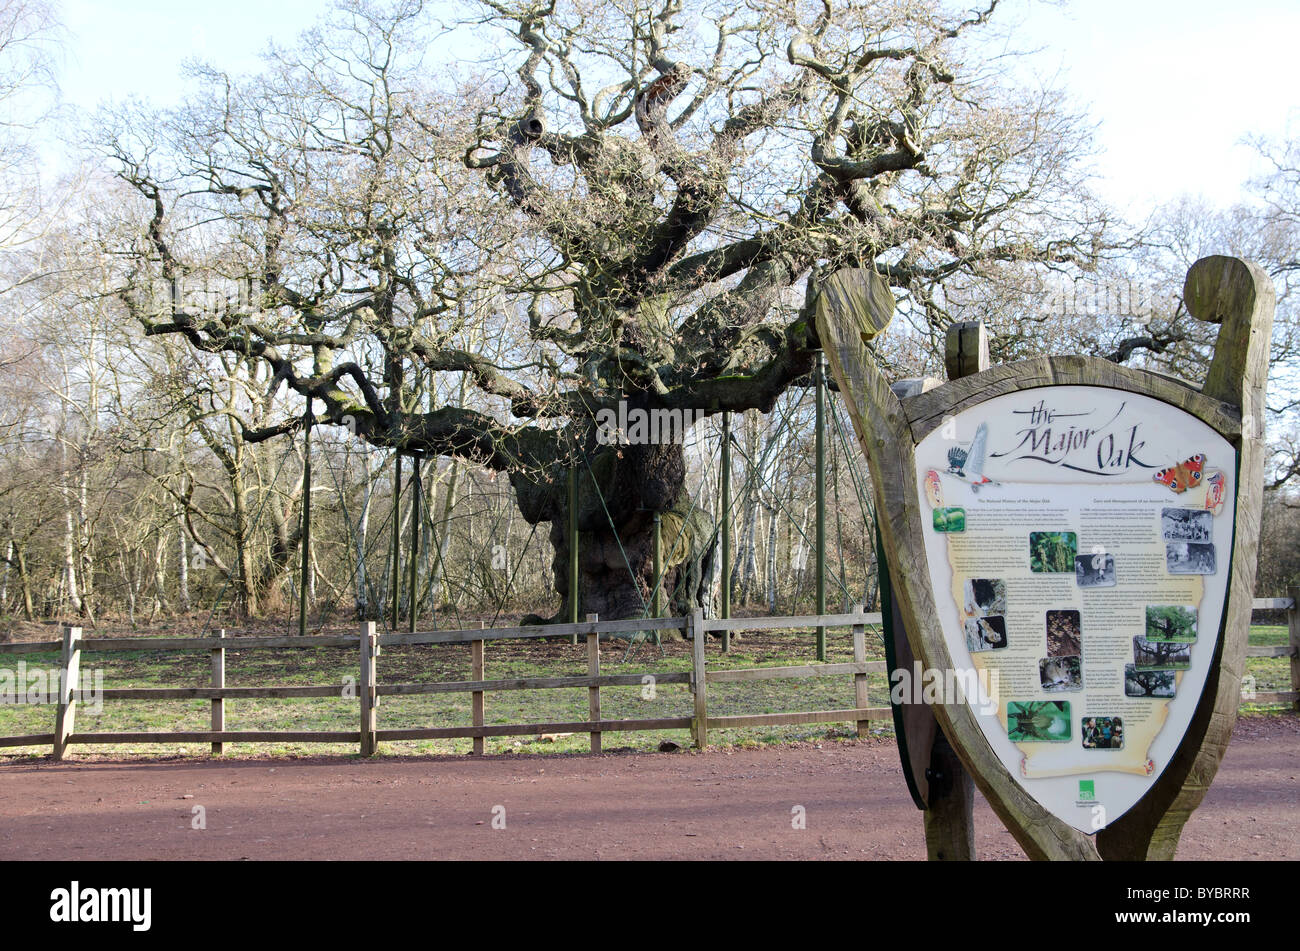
(412, 586)
(821, 500)
(656, 602)
(306, 520)
(726, 526)
(656, 595)
(573, 549)
(396, 573)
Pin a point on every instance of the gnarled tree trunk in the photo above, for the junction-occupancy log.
(616, 534)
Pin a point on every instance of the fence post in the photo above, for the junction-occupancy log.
(218, 704)
(65, 717)
(699, 683)
(1293, 629)
(861, 696)
(369, 721)
(593, 670)
(478, 704)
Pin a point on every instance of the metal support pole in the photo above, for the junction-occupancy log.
(573, 549)
(307, 421)
(396, 573)
(821, 500)
(412, 587)
(593, 693)
(726, 527)
(656, 599)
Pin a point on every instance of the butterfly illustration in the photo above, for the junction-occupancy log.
(1186, 475)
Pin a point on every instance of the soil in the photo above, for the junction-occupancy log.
(723, 804)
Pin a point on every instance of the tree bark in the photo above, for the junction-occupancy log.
(246, 589)
(773, 526)
(365, 610)
(616, 535)
(24, 582)
(444, 533)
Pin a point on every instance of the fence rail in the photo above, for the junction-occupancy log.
(367, 691)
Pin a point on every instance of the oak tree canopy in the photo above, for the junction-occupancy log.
(599, 204)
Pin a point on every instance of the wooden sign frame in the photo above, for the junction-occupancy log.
(854, 305)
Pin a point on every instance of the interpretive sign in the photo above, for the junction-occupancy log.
(1075, 542)
(1076, 531)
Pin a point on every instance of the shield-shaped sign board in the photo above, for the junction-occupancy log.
(1071, 547)
(1077, 540)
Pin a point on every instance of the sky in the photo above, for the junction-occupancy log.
(1174, 85)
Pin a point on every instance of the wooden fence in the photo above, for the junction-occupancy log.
(1291, 605)
(367, 690)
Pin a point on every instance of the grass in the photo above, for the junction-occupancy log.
(504, 659)
(1270, 673)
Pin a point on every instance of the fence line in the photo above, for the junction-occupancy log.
(368, 690)
(1290, 604)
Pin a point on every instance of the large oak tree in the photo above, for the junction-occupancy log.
(617, 203)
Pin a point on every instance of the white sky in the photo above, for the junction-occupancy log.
(1174, 84)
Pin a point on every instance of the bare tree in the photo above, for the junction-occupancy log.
(628, 217)
(30, 36)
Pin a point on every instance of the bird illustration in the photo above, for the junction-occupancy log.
(968, 464)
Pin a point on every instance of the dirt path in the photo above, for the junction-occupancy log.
(667, 806)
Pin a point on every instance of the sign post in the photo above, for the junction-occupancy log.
(1072, 556)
